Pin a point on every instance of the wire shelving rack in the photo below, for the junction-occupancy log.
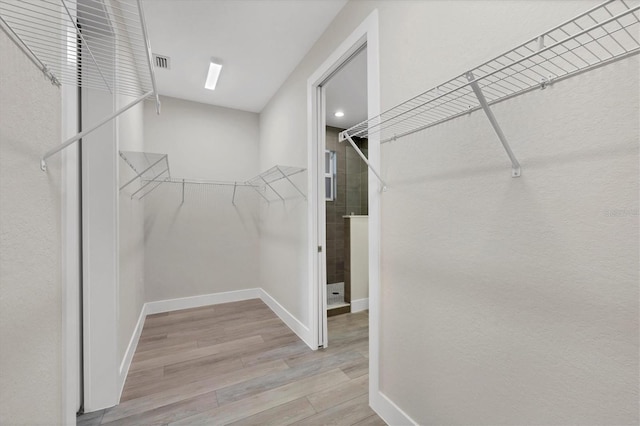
(96, 44)
(267, 178)
(601, 35)
(151, 169)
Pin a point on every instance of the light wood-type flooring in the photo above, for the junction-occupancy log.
(239, 364)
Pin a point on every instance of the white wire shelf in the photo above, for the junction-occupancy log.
(100, 44)
(267, 178)
(603, 34)
(151, 168)
(95, 44)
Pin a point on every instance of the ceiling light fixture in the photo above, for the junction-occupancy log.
(339, 114)
(212, 76)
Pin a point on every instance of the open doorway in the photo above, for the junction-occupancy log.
(346, 190)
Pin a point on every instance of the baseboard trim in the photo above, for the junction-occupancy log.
(131, 350)
(389, 411)
(292, 322)
(359, 305)
(169, 305)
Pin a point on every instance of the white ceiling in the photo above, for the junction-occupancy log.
(346, 91)
(259, 43)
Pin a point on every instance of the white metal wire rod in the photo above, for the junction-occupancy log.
(203, 182)
(87, 80)
(102, 50)
(142, 172)
(569, 21)
(55, 23)
(233, 198)
(149, 182)
(557, 79)
(621, 27)
(43, 161)
(150, 191)
(494, 123)
(291, 182)
(85, 42)
(269, 185)
(527, 57)
(43, 38)
(149, 59)
(86, 6)
(27, 51)
(262, 195)
(366, 161)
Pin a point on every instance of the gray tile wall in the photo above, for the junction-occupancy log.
(351, 196)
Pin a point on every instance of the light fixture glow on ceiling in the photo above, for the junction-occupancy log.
(339, 114)
(212, 76)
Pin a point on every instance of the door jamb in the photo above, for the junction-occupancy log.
(366, 32)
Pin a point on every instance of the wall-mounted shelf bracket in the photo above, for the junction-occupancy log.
(271, 187)
(605, 33)
(515, 165)
(148, 167)
(284, 175)
(77, 43)
(274, 174)
(344, 136)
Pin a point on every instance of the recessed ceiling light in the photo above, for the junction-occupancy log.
(212, 76)
(339, 114)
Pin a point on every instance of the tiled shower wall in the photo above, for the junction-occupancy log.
(351, 188)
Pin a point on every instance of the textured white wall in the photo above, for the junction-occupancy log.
(205, 245)
(504, 301)
(30, 283)
(130, 229)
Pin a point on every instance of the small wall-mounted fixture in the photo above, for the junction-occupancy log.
(213, 75)
(339, 114)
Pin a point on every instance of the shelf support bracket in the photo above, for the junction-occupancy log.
(269, 185)
(148, 182)
(291, 182)
(515, 165)
(261, 194)
(345, 136)
(182, 192)
(233, 199)
(142, 172)
(43, 161)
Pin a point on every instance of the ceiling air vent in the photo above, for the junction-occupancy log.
(160, 61)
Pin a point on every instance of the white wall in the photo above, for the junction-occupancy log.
(206, 245)
(359, 252)
(130, 131)
(504, 301)
(30, 256)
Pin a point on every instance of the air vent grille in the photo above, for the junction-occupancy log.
(160, 61)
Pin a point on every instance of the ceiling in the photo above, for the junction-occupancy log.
(258, 42)
(346, 91)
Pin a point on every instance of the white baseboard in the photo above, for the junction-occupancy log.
(292, 322)
(359, 305)
(389, 411)
(131, 350)
(169, 305)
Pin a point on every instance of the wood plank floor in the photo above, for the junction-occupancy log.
(238, 364)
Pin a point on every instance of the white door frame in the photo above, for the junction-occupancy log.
(365, 33)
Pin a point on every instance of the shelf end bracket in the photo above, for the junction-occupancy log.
(345, 136)
(515, 165)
